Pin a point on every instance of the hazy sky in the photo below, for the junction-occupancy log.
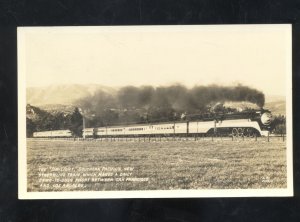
(256, 56)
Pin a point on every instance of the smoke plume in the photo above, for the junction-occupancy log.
(147, 102)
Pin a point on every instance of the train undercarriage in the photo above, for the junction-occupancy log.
(218, 132)
(235, 132)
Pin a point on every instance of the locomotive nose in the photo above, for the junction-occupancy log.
(266, 118)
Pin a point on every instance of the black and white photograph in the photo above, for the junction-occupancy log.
(155, 111)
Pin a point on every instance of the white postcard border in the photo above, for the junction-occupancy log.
(22, 155)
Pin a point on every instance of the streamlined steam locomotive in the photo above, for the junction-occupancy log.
(247, 123)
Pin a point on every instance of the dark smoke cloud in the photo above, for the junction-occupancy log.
(204, 95)
(161, 101)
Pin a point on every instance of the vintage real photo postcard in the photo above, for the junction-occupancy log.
(155, 111)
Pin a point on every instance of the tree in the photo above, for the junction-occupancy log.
(30, 127)
(75, 123)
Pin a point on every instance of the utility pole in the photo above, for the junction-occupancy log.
(215, 127)
(83, 126)
(83, 122)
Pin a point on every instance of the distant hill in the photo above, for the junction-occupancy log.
(276, 107)
(62, 94)
(276, 104)
(56, 108)
(274, 98)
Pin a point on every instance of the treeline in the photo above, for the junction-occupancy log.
(278, 124)
(41, 120)
(153, 104)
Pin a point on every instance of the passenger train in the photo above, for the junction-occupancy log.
(53, 134)
(249, 124)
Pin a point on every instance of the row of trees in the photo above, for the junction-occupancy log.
(278, 125)
(44, 121)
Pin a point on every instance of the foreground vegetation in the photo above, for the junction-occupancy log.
(203, 164)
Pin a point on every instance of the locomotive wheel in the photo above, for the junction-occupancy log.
(250, 132)
(240, 132)
(246, 132)
(235, 132)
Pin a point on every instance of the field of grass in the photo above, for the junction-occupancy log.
(62, 165)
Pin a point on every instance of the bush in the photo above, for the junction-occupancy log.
(279, 124)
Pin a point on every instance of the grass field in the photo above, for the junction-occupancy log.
(61, 165)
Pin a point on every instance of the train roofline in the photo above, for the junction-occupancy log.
(138, 124)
